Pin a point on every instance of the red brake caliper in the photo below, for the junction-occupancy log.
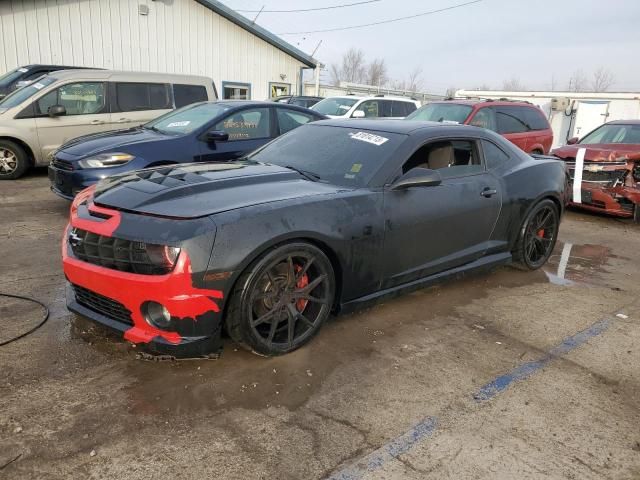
(303, 282)
(541, 233)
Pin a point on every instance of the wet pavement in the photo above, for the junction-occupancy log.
(503, 375)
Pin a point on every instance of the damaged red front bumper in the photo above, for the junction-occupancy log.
(611, 187)
(117, 298)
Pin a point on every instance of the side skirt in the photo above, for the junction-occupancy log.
(481, 265)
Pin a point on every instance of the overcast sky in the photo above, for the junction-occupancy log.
(480, 44)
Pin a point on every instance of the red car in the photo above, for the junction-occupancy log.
(610, 180)
(522, 123)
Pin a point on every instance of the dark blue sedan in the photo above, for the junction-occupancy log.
(209, 131)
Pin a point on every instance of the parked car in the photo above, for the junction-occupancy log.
(23, 76)
(301, 100)
(610, 180)
(378, 106)
(330, 216)
(210, 131)
(522, 123)
(38, 118)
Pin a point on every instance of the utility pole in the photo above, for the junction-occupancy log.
(319, 67)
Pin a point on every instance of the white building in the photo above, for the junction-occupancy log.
(199, 37)
(571, 114)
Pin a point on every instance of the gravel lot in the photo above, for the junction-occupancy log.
(505, 375)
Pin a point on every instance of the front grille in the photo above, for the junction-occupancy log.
(103, 305)
(605, 177)
(115, 253)
(61, 164)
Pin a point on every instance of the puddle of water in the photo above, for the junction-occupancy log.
(572, 264)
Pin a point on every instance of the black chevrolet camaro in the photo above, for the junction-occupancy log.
(330, 216)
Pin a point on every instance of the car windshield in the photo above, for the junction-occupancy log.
(613, 134)
(19, 96)
(187, 119)
(9, 77)
(442, 112)
(336, 155)
(334, 106)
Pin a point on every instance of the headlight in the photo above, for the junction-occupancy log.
(105, 160)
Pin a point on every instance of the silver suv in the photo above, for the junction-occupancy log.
(35, 120)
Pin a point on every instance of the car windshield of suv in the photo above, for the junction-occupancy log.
(19, 96)
(187, 119)
(613, 134)
(9, 77)
(336, 155)
(334, 106)
(441, 112)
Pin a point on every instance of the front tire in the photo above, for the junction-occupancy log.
(282, 299)
(14, 161)
(537, 237)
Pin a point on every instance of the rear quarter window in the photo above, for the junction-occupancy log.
(188, 94)
(535, 118)
(494, 156)
(511, 120)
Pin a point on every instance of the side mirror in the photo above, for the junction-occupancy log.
(56, 111)
(358, 114)
(572, 141)
(213, 136)
(417, 177)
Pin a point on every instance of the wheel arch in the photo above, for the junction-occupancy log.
(24, 145)
(319, 243)
(545, 196)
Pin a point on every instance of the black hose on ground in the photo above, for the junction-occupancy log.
(44, 319)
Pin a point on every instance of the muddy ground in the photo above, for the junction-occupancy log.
(400, 391)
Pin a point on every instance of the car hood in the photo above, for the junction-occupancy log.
(111, 141)
(600, 152)
(201, 189)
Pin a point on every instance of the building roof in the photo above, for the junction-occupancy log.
(258, 31)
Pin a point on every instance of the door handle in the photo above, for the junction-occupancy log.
(123, 120)
(488, 192)
(97, 122)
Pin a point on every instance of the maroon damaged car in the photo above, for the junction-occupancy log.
(611, 172)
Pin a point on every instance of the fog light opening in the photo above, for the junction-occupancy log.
(156, 314)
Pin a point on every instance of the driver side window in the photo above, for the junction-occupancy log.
(246, 124)
(452, 158)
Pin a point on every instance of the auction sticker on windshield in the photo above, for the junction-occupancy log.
(369, 138)
(179, 124)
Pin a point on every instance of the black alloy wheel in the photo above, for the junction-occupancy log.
(283, 300)
(538, 236)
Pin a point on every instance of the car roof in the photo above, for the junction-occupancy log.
(479, 101)
(382, 97)
(623, 122)
(126, 76)
(404, 127)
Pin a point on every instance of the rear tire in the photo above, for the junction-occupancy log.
(636, 213)
(537, 236)
(282, 299)
(14, 161)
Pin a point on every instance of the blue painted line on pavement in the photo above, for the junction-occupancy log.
(427, 427)
(525, 370)
(389, 451)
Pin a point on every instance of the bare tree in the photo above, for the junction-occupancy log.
(602, 80)
(577, 82)
(513, 84)
(414, 81)
(450, 92)
(352, 68)
(377, 73)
